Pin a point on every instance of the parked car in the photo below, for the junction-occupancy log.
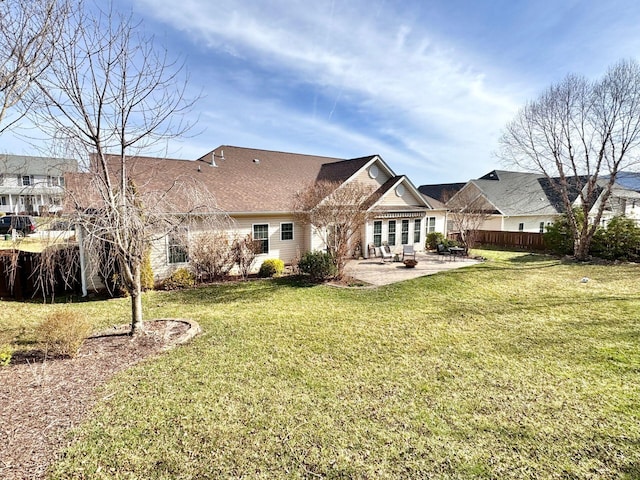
(21, 224)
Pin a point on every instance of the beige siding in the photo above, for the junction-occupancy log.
(285, 250)
(365, 178)
(391, 199)
(493, 223)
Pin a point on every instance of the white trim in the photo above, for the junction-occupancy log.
(253, 225)
(293, 229)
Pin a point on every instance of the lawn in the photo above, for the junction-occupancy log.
(510, 369)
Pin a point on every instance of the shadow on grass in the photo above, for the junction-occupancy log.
(241, 291)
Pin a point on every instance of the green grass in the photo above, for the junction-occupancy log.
(510, 369)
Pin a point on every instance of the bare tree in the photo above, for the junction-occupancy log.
(29, 35)
(336, 212)
(468, 210)
(110, 95)
(211, 255)
(580, 134)
(245, 250)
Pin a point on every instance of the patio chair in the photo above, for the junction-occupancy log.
(408, 252)
(385, 253)
(442, 250)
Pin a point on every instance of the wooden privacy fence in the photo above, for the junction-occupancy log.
(520, 240)
(24, 274)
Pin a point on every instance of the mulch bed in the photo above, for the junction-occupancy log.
(42, 399)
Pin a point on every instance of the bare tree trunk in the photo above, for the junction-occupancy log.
(136, 302)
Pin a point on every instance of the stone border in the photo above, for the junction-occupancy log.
(193, 330)
(120, 330)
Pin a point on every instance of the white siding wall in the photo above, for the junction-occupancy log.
(531, 223)
(17, 197)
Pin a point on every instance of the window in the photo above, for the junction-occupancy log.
(391, 239)
(521, 227)
(431, 224)
(26, 180)
(55, 181)
(416, 231)
(377, 233)
(541, 227)
(261, 235)
(176, 251)
(286, 231)
(405, 232)
(3, 200)
(1, 178)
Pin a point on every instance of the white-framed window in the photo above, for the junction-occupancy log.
(286, 231)
(521, 227)
(431, 224)
(417, 226)
(3, 200)
(1, 178)
(405, 232)
(391, 236)
(27, 180)
(261, 235)
(541, 227)
(377, 233)
(55, 181)
(176, 249)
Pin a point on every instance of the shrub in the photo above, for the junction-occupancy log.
(433, 240)
(558, 238)
(318, 265)
(146, 272)
(62, 333)
(271, 267)
(619, 241)
(211, 255)
(245, 250)
(6, 352)
(181, 278)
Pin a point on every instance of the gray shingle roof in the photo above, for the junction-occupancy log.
(26, 165)
(517, 193)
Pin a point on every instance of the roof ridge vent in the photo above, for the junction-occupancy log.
(256, 160)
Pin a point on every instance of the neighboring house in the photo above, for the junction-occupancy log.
(256, 189)
(33, 185)
(527, 202)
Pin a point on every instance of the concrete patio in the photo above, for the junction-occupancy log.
(374, 271)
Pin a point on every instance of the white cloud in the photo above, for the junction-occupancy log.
(415, 86)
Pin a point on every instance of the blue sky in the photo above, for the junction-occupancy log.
(427, 85)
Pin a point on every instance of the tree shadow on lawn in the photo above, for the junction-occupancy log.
(241, 291)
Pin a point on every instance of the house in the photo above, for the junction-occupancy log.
(527, 202)
(256, 189)
(33, 185)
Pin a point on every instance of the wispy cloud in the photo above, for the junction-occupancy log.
(414, 89)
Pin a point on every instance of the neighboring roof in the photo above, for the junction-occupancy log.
(435, 204)
(521, 193)
(629, 180)
(440, 191)
(245, 180)
(26, 165)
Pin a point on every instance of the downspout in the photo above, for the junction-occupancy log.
(83, 267)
